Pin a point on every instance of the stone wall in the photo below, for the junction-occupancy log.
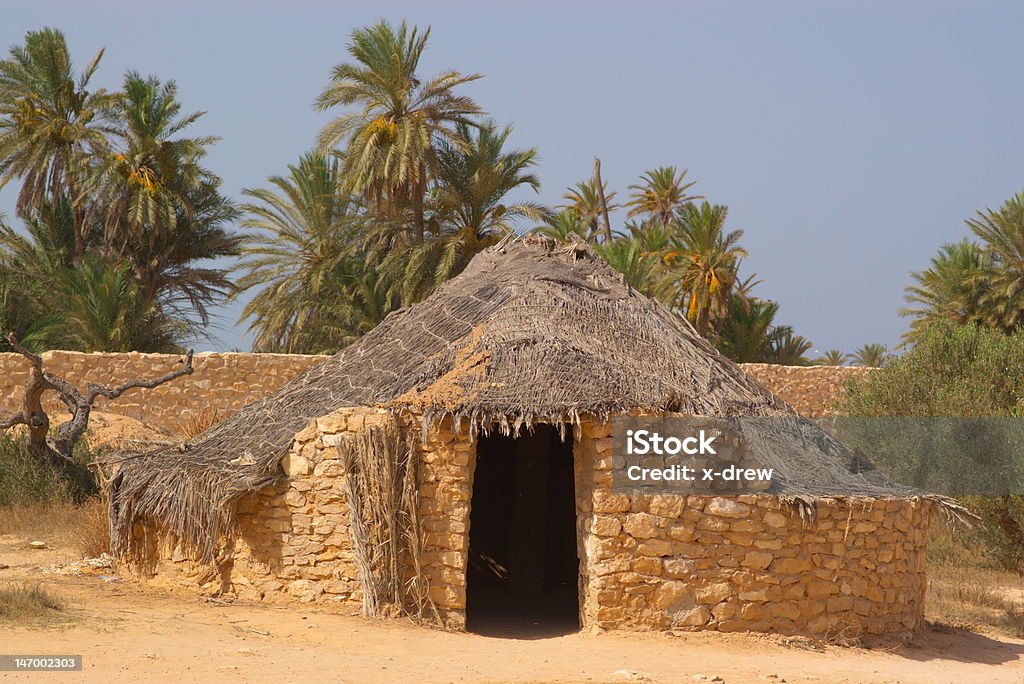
(224, 383)
(295, 539)
(746, 563)
(221, 383)
(647, 562)
(811, 390)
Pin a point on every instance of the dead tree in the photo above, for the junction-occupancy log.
(79, 403)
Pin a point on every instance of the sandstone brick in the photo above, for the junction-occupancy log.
(654, 547)
(784, 610)
(713, 593)
(775, 519)
(672, 596)
(295, 465)
(679, 567)
(606, 526)
(727, 508)
(791, 565)
(669, 506)
(641, 525)
(757, 559)
(697, 616)
(647, 566)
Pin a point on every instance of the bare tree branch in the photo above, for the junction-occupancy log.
(34, 359)
(96, 391)
(32, 413)
(70, 432)
(17, 419)
(79, 405)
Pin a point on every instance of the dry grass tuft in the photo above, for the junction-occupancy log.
(61, 524)
(94, 529)
(21, 604)
(973, 598)
(966, 587)
(200, 422)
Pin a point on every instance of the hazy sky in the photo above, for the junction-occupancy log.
(849, 139)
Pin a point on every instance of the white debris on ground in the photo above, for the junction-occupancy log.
(86, 566)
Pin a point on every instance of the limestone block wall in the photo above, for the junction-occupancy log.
(811, 390)
(295, 539)
(224, 383)
(745, 562)
(448, 461)
(221, 382)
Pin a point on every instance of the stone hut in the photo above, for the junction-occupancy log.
(456, 464)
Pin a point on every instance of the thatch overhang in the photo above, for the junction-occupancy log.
(533, 331)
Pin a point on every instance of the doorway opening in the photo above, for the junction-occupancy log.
(523, 573)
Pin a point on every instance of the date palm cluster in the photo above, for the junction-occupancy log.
(115, 204)
(124, 240)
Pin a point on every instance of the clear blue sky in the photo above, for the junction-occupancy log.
(849, 139)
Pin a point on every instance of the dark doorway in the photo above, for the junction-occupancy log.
(523, 574)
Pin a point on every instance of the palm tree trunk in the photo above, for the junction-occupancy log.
(78, 218)
(417, 207)
(604, 202)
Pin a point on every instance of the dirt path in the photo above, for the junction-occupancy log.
(127, 633)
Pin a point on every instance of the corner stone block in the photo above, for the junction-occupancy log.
(295, 465)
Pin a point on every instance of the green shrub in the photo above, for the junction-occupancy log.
(954, 370)
(957, 371)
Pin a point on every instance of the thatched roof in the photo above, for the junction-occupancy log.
(532, 331)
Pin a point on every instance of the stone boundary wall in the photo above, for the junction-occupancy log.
(811, 390)
(225, 382)
(221, 383)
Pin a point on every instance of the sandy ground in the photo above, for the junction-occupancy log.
(127, 631)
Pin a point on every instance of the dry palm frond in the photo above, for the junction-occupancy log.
(381, 487)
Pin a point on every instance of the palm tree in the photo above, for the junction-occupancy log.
(48, 120)
(870, 355)
(832, 357)
(642, 270)
(585, 199)
(391, 133)
(301, 258)
(749, 334)
(100, 308)
(562, 225)
(707, 259)
(1002, 233)
(661, 192)
(178, 273)
(143, 182)
(787, 348)
(161, 210)
(83, 303)
(745, 337)
(18, 313)
(469, 209)
(950, 289)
